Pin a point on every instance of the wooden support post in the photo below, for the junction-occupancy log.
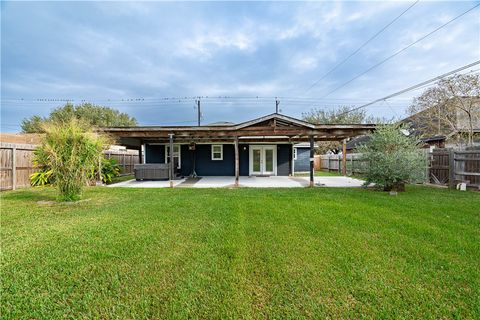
(344, 158)
(172, 165)
(140, 155)
(312, 155)
(14, 168)
(237, 163)
(451, 169)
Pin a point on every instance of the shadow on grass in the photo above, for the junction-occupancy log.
(31, 194)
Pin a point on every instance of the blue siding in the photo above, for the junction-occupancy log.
(205, 166)
(187, 160)
(284, 152)
(243, 158)
(154, 153)
(303, 160)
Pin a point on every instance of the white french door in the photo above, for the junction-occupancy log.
(263, 160)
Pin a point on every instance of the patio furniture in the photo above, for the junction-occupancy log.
(152, 171)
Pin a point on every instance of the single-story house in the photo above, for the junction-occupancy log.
(259, 147)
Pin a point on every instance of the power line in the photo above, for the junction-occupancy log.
(400, 51)
(361, 47)
(152, 101)
(414, 86)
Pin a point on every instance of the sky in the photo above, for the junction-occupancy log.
(150, 59)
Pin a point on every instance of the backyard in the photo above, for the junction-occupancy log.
(130, 253)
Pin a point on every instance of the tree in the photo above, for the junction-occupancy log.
(71, 150)
(342, 115)
(92, 115)
(451, 106)
(391, 159)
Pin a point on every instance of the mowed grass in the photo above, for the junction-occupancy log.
(241, 253)
(319, 174)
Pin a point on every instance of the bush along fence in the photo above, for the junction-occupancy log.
(16, 162)
(447, 167)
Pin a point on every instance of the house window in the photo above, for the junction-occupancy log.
(176, 155)
(217, 152)
(294, 153)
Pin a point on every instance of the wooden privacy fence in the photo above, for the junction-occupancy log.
(450, 167)
(17, 163)
(333, 162)
(126, 160)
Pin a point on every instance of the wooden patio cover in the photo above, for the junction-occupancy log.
(271, 128)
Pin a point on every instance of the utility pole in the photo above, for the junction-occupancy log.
(199, 112)
(277, 103)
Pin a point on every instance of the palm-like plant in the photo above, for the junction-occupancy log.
(71, 150)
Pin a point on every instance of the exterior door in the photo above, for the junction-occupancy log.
(263, 160)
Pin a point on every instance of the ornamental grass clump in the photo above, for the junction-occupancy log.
(71, 150)
(391, 159)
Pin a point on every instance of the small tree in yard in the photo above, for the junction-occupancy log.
(71, 150)
(341, 115)
(391, 159)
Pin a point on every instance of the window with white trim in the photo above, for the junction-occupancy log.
(176, 155)
(217, 152)
(294, 153)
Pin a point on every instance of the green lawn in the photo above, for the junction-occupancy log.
(241, 253)
(319, 174)
(122, 178)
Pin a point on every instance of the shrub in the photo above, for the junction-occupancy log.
(71, 151)
(391, 158)
(110, 169)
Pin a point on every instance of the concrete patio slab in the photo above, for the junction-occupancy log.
(271, 182)
(145, 184)
(215, 182)
(247, 182)
(338, 182)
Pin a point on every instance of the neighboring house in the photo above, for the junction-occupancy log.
(447, 130)
(301, 157)
(260, 147)
(426, 143)
(354, 143)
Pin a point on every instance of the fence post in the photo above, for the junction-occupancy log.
(351, 165)
(339, 160)
(451, 169)
(427, 167)
(123, 162)
(14, 168)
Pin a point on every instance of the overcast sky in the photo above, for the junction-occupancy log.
(104, 52)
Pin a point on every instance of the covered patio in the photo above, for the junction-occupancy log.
(252, 153)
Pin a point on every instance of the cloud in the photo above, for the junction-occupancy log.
(205, 45)
(156, 49)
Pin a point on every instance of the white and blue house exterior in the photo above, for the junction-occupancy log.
(261, 147)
